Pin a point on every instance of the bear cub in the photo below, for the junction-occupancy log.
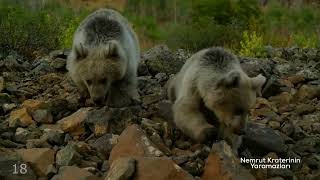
(213, 77)
(104, 59)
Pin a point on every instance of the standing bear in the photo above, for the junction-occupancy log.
(213, 78)
(104, 59)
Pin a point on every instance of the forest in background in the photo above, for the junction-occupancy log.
(245, 26)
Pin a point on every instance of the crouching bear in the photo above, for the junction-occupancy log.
(213, 78)
(104, 59)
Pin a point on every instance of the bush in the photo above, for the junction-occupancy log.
(285, 27)
(196, 38)
(251, 45)
(27, 31)
(305, 41)
(214, 23)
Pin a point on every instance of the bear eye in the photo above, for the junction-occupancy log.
(89, 82)
(102, 81)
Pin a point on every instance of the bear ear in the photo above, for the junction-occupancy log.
(257, 83)
(81, 52)
(112, 49)
(231, 80)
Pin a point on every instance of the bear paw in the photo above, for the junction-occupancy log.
(207, 134)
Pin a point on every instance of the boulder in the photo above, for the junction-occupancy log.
(134, 142)
(39, 158)
(159, 169)
(74, 123)
(21, 118)
(10, 159)
(121, 169)
(161, 59)
(68, 156)
(105, 143)
(263, 139)
(74, 173)
(223, 164)
(2, 85)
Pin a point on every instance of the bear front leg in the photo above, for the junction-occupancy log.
(234, 140)
(84, 94)
(191, 121)
(122, 94)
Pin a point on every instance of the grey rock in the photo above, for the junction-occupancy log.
(143, 70)
(42, 116)
(73, 172)
(151, 99)
(8, 107)
(22, 135)
(58, 63)
(307, 145)
(98, 117)
(162, 59)
(285, 173)
(61, 53)
(2, 85)
(42, 68)
(54, 137)
(255, 66)
(309, 74)
(105, 143)
(263, 139)
(287, 128)
(180, 159)
(161, 77)
(284, 68)
(195, 168)
(9, 144)
(183, 144)
(37, 143)
(312, 160)
(7, 135)
(299, 133)
(305, 109)
(4, 98)
(68, 156)
(164, 110)
(272, 87)
(51, 171)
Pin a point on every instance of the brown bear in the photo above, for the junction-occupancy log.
(104, 59)
(212, 77)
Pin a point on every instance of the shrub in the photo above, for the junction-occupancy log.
(27, 31)
(146, 25)
(305, 41)
(196, 38)
(291, 26)
(213, 23)
(251, 45)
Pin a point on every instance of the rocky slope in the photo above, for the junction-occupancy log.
(47, 133)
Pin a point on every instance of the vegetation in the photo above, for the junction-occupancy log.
(241, 25)
(28, 31)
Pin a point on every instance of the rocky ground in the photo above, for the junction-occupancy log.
(47, 133)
